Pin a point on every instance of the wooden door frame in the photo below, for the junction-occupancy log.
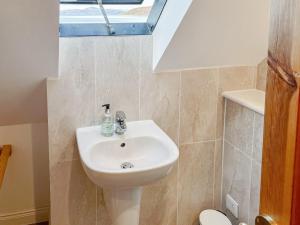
(280, 184)
(295, 214)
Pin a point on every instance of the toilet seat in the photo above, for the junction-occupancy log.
(213, 217)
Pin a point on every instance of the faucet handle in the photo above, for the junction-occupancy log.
(120, 116)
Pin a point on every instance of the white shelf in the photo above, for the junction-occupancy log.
(252, 98)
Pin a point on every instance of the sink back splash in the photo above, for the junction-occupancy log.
(187, 104)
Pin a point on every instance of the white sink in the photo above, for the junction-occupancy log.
(122, 164)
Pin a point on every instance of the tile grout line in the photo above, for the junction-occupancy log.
(178, 141)
(218, 94)
(253, 132)
(255, 77)
(96, 205)
(223, 151)
(216, 134)
(140, 76)
(214, 178)
(237, 149)
(179, 108)
(198, 142)
(204, 68)
(249, 196)
(95, 84)
(251, 166)
(95, 113)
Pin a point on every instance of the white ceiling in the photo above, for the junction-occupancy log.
(213, 33)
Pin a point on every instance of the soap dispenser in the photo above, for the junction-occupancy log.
(107, 123)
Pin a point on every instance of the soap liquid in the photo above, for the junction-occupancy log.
(107, 127)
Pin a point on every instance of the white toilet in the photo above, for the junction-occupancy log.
(213, 217)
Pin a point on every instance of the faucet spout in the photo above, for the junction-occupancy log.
(121, 126)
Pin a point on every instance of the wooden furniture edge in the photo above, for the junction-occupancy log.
(5, 153)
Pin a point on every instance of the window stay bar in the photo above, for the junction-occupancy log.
(108, 24)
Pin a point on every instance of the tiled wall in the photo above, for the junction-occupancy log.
(242, 160)
(186, 104)
(262, 69)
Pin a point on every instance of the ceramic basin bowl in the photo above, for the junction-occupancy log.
(144, 154)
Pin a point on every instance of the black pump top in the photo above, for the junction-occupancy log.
(107, 106)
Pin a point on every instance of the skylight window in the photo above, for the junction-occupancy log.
(109, 17)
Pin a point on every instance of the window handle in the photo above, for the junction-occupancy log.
(108, 24)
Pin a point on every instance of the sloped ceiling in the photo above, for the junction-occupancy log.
(214, 33)
(28, 54)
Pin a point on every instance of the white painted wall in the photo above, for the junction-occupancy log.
(24, 196)
(28, 54)
(167, 25)
(215, 33)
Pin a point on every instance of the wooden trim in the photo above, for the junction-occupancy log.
(278, 149)
(280, 182)
(32, 216)
(295, 215)
(5, 153)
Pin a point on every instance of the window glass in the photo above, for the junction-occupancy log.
(90, 13)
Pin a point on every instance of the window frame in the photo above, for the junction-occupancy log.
(110, 2)
(100, 29)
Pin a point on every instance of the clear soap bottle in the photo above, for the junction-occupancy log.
(107, 123)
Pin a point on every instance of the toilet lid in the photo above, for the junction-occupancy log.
(213, 217)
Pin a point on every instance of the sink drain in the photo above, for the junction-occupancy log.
(127, 165)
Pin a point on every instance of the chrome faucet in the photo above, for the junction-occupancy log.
(120, 123)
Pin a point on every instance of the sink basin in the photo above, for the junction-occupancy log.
(141, 156)
(123, 164)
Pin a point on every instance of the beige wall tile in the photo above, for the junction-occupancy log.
(71, 98)
(159, 202)
(254, 192)
(218, 174)
(146, 52)
(73, 195)
(159, 94)
(160, 101)
(258, 137)
(198, 110)
(239, 165)
(236, 78)
(89, 78)
(232, 78)
(103, 217)
(220, 117)
(117, 81)
(239, 127)
(236, 180)
(262, 70)
(195, 190)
